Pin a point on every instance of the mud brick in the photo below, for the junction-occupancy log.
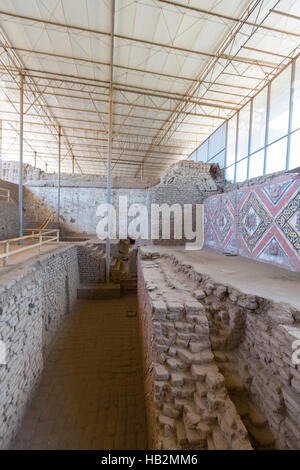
(160, 372)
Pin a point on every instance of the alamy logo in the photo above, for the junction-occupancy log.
(138, 222)
(2, 353)
(296, 353)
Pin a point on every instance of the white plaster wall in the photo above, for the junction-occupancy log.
(79, 205)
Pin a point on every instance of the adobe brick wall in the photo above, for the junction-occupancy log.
(185, 182)
(91, 262)
(38, 177)
(9, 219)
(32, 307)
(188, 406)
(218, 370)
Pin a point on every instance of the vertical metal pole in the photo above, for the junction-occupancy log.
(58, 181)
(21, 156)
(208, 150)
(109, 143)
(34, 159)
(236, 144)
(250, 137)
(291, 110)
(225, 153)
(73, 166)
(267, 128)
(46, 167)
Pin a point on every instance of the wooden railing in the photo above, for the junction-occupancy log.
(43, 237)
(43, 226)
(46, 221)
(5, 193)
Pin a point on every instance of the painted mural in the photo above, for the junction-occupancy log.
(260, 222)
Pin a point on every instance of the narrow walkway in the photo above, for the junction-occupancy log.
(91, 395)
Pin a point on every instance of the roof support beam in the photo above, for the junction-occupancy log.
(89, 129)
(208, 116)
(98, 83)
(231, 18)
(239, 59)
(284, 13)
(84, 137)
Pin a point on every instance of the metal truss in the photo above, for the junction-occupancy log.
(152, 126)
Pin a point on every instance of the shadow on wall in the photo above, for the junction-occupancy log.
(9, 219)
(36, 211)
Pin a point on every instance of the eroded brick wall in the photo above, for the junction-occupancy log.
(92, 262)
(9, 218)
(219, 372)
(32, 307)
(184, 183)
(188, 406)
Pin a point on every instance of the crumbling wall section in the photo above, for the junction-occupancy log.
(34, 301)
(91, 261)
(36, 176)
(184, 183)
(9, 218)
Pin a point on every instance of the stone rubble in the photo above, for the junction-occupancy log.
(218, 362)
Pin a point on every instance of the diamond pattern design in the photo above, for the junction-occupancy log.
(275, 192)
(255, 221)
(222, 220)
(288, 221)
(261, 222)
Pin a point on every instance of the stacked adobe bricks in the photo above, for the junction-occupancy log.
(34, 300)
(218, 362)
(187, 402)
(185, 182)
(91, 262)
(9, 221)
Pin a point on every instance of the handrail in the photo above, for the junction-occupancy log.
(46, 221)
(36, 230)
(42, 226)
(7, 195)
(40, 235)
